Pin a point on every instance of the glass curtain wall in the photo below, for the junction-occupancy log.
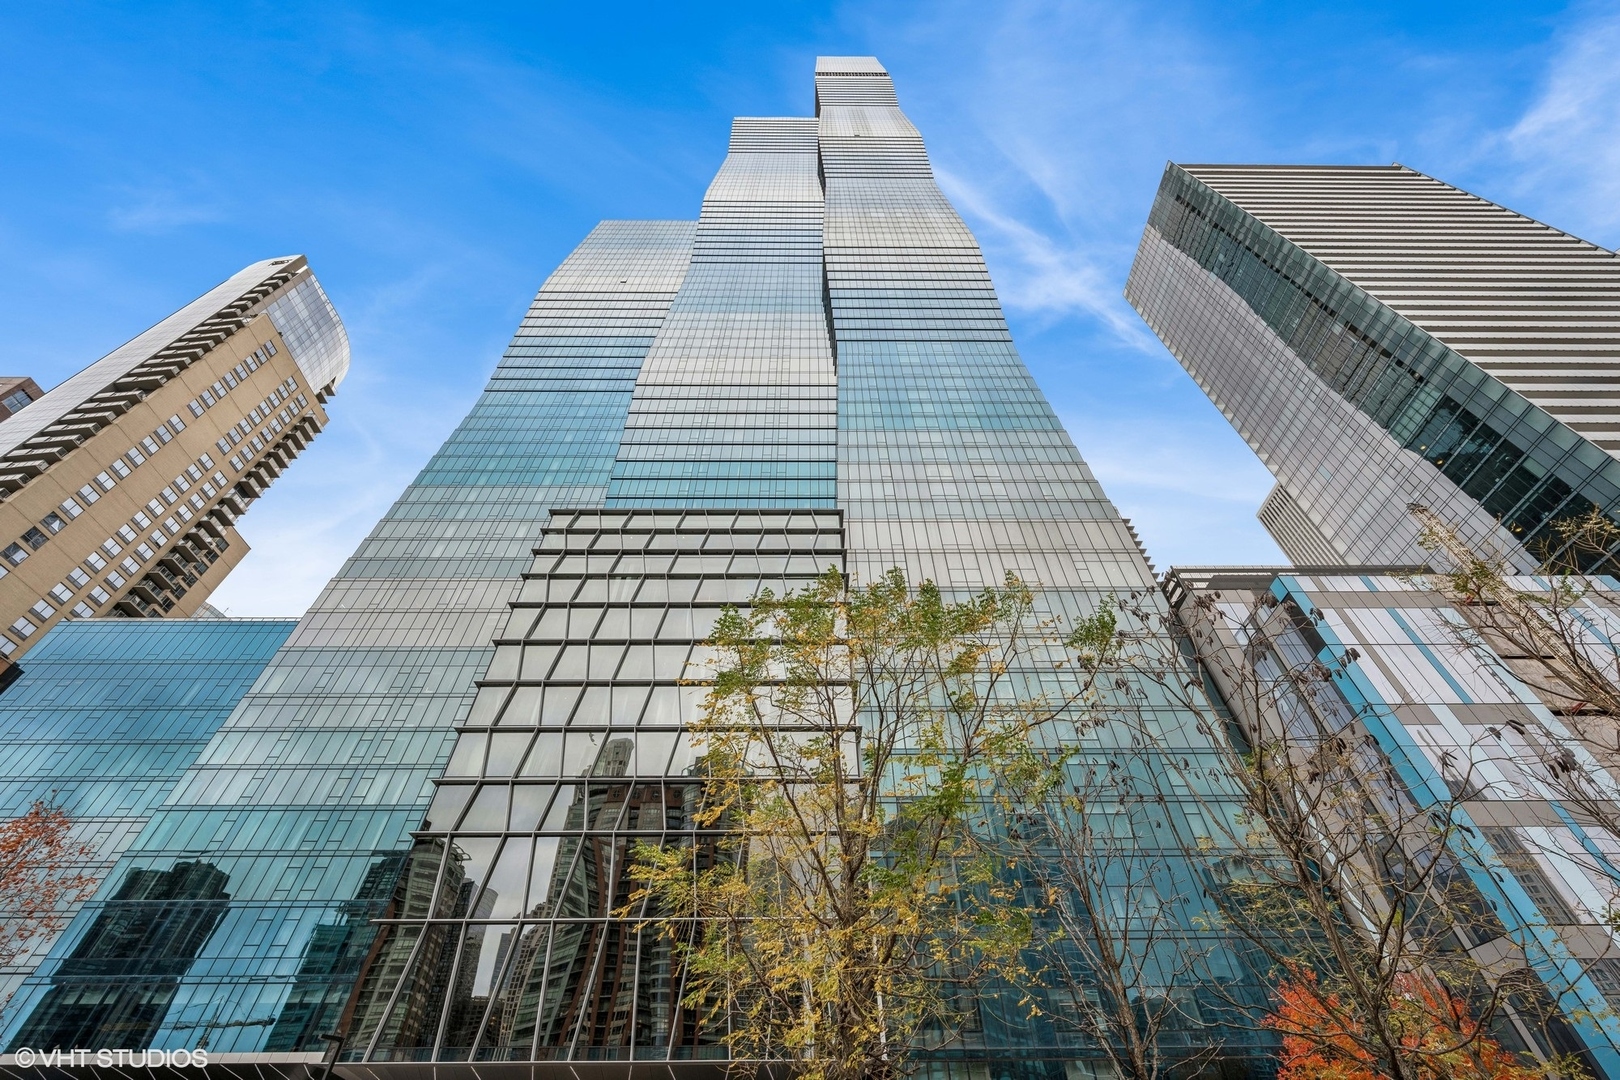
(1526, 469)
(735, 406)
(105, 718)
(950, 464)
(306, 798)
(737, 402)
(834, 383)
(510, 947)
(953, 465)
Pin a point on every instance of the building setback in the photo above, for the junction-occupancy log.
(1381, 338)
(120, 488)
(461, 734)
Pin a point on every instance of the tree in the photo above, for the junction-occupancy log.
(1546, 622)
(37, 879)
(847, 891)
(1111, 957)
(1324, 1041)
(1557, 632)
(1354, 894)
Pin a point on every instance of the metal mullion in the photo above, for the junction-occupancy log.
(540, 994)
(551, 939)
(448, 1003)
(393, 999)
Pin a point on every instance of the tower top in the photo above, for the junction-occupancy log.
(849, 65)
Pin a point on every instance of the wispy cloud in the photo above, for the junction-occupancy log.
(1049, 125)
(1058, 118)
(160, 206)
(1567, 142)
(1045, 276)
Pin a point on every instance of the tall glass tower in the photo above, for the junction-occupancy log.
(424, 807)
(1380, 338)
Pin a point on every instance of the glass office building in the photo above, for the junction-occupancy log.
(424, 806)
(104, 721)
(1380, 338)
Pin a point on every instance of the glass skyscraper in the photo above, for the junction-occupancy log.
(104, 721)
(422, 810)
(1380, 338)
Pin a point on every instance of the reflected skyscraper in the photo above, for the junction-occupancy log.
(103, 724)
(119, 980)
(495, 690)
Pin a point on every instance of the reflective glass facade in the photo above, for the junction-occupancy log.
(1456, 433)
(1466, 736)
(736, 404)
(949, 463)
(306, 797)
(424, 806)
(105, 718)
(574, 750)
(953, 466)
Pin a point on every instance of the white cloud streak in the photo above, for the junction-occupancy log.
(1044, 276)
(161, 206)
(1062, 117)
(1567, 142)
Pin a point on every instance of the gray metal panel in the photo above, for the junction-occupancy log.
(1536, 307)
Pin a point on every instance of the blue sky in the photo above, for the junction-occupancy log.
(435, 162)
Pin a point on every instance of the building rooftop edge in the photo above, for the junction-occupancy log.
(1392, 167)
(850, 65)
(97, 376)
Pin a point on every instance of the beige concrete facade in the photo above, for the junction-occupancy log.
(17, 392)
(125, 504)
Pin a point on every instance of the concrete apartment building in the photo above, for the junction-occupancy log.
(120, 488)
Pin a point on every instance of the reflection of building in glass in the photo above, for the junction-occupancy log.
(397, 946)
(334, 956)
(748, 458)
(585, 986)
(329, 758)
(117, 983)
(496, 685)
(1380, 338)
(105, 720)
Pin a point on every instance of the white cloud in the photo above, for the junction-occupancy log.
(1187, 483)
(1049, 124)
(1568, 141)
(1043, 276)
(159, 206)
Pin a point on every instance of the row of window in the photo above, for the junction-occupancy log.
(61, 596)
(176, 504)
(35, 537)
(213, 395)
(167, 519)
(262, 413)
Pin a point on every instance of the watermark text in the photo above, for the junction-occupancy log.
(140, 1059)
